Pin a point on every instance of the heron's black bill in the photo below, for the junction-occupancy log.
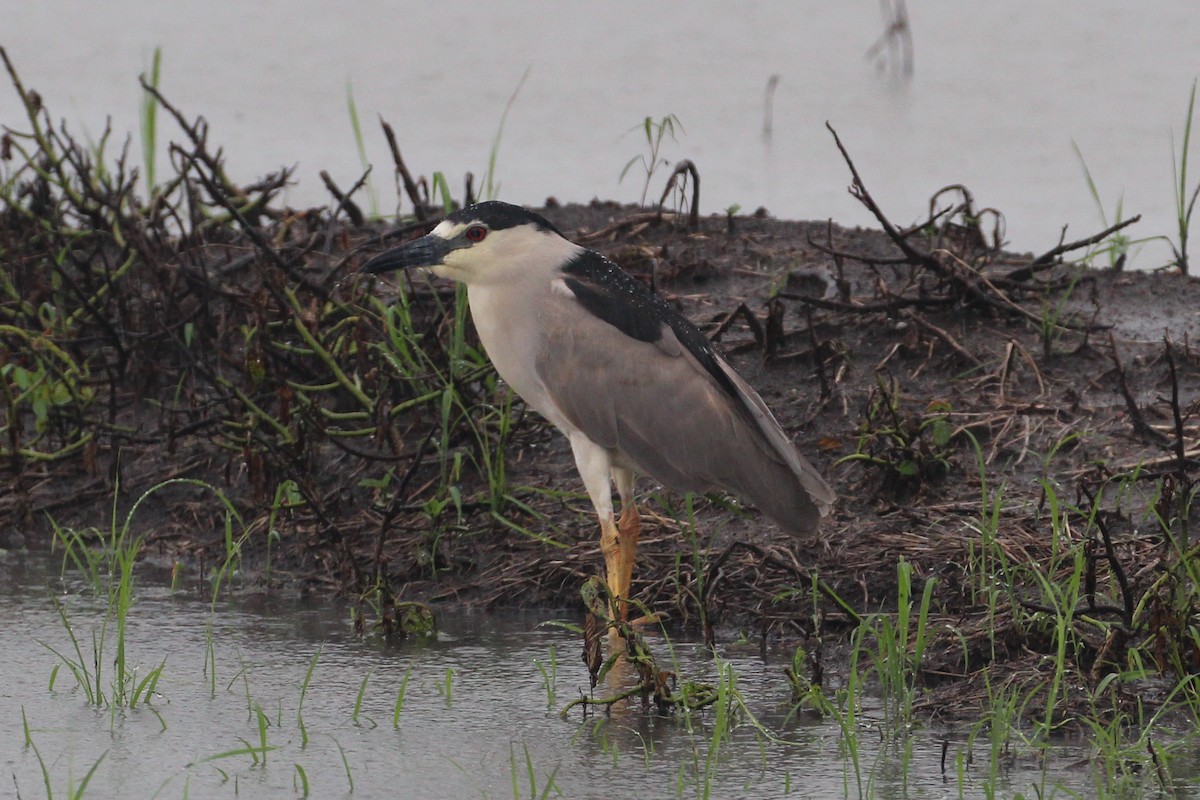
(428, 251)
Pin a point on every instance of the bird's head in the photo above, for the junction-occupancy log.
(485, 243)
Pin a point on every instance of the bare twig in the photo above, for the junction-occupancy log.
(885, 307)
(684, 168)
(962, 352)
(752, 322)
(1110, 555)
(1136, 418)
(638, 222)
(1047, 259)
(410, 186)
(349, 206)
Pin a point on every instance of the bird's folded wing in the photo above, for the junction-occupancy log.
(670, 405)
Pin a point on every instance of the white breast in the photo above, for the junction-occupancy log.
(514, 340)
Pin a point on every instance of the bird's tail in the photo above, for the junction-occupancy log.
(788, 489)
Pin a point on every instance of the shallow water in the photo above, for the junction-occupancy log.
(999, 92)
(477, 740)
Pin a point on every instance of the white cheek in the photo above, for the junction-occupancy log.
(457, 265)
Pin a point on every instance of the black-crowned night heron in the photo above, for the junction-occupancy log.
(633, 385)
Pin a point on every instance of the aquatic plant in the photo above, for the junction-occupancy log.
(109, 569)
(358, 700)
(655, 132)
(149, 123)
(400, 692)
(73, 791)
(312, 665)
(538, 790)
(1184, 205)
(549, 676)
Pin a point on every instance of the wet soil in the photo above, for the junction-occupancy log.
(935, 393)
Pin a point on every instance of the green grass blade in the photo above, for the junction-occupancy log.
(491, 189)
(150, 122)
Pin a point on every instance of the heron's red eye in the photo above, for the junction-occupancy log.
(476, 233)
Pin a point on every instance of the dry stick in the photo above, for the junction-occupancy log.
(1178, 445)
(768, 126)
(1147, 468)
(410, 186)
(1102, 608)
(43, 138)
(469, 189)
(89, 302)
(963, 353)
(349, 206)
(1089, 574)
(685, 167)
(393, 508)
(222, 198)
(839, 264)
(970, 281)
(970, 216)
(585, 701)
(1110, 555)
(1037, 373)
(292, 466)
(829, 250)
(197, 132)
(745, 313)
(1046, 260)
(967, 205)
(91, 185)
(859, 191)
(631, 221)
(1164, 779)
(896, 36)
(1140, 426)
(221, 195)
(774, 328)
(255, 236)
(867, 308)
(826, 390)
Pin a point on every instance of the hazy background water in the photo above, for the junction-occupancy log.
(999, 92)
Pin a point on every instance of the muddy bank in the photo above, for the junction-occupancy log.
(884, 375)
(998, 422)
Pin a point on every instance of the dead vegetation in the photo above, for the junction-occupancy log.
(994, 420)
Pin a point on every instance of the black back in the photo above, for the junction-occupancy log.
(615, 296)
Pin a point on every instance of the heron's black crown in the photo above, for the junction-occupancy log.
(498, 215)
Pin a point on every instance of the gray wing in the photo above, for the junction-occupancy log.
(693, 425)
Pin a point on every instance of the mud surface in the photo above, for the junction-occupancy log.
(944, 388)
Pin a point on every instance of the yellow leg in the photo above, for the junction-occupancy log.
(618, 543)
(610, 546)
(629, 528)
